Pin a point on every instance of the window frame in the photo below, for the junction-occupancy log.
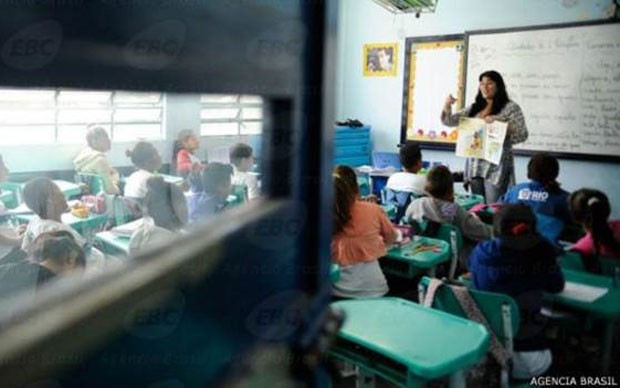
(239, 120)
(112, 106)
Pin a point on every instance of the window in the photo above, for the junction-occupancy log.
(224, 114)
(29, 116)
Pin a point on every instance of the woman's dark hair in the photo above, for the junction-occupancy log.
(544, 169)
(439, 182)
(177, 146)
(348, 174)
(410, 154)
(58, 246)
(165, 204)
(143, 152)
(238, 152)
(514, 220)
(36, 192)
(499, 100)
(345, 194)
(591, 208)
(215, 175)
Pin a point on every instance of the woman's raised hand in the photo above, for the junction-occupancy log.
(449, 101)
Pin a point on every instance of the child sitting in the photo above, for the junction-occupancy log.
(216, 183)
(408, 180)
(10, 238)
(544, 195)
(591, 209)
(184, 159)
(92, 159)
(46, 200)
(360, 236)
(440, 206)
(147, 161)
(53, 254)
(242, 160)
(521, 263)
(166, 213)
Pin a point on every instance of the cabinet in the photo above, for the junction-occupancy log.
(352, 146)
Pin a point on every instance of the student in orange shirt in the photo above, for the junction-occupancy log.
(361, 235)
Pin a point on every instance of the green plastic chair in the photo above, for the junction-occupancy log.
(15, 198)
(501, 312)
(572, 260)
(448, 233)
(93, 181)
(238, 196)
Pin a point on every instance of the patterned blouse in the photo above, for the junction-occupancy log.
(504, 171)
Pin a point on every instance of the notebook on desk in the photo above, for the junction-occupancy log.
(382, 160)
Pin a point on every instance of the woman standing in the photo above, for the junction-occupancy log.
(492, 103)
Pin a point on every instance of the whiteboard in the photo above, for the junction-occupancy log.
(434, 68)
(566, 80)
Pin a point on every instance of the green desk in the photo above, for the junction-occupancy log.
(389, 209)
(112, 243)
(467, 201)
(69, 189)
(605, 308)
(403, 262)
(8, 199)
(81, 225)
(406, 343)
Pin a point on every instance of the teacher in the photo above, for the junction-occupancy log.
(492, 103)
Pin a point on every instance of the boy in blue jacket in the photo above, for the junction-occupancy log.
(544, 195)
(521, 263)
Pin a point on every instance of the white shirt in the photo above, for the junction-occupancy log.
(135, 185)
(37, 226)
(249, 180)
(407, 181)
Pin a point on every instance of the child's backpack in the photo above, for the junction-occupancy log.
(399, 199)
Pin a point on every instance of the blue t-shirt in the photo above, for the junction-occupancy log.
(551, 209)
(202, 205)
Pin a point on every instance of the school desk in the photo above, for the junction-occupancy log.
(606, 308)
(81, 225)
(408, 344)
(467, 201)
(8, 199)
(410, 259)
(334, 273)
(112, 244)
(69, 189)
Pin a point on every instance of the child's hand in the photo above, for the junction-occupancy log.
(196, 167)
(21, 229)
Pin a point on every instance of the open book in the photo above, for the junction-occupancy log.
(481, 140)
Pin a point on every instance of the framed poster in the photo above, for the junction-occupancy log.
(380, 59)
(434, 68)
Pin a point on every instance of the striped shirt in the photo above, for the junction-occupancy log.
(504, 171)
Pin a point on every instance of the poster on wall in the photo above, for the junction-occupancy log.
(434, 69)
(380, 59)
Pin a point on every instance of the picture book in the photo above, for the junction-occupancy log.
(481, 140)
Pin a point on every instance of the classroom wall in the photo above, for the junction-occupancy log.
(181, 111)
(378, 101)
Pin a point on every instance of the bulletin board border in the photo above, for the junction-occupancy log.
(526, 152)
(405, 118)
